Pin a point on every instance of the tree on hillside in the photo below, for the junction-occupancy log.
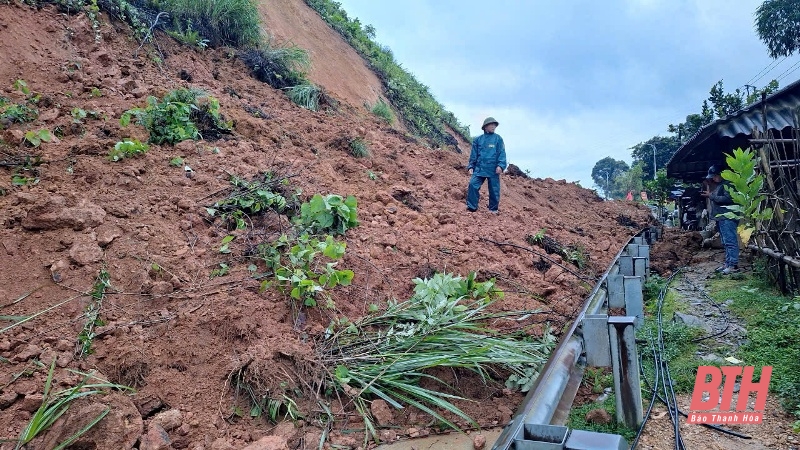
(630, 181)
(778, 26)
(642, 153)
(605, 171)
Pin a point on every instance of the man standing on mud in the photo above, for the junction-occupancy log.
(486, 162)
(720, 198)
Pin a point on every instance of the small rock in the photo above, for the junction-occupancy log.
(388, 435)
(85, 252)
(29, 352)
(382, 412)
(478, 442)
(106, 234)
(598, 415)
(7, 399)
(155, 438)
(692, 321)
(412, 432)
(162, 288)
(31, 402)
(170, 419)
(269, 443)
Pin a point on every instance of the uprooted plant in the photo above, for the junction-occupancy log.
(329, 214)
(388, 354)
(265, 192)
(93, 320)
(574, 253)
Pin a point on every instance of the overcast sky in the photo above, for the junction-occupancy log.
(573, 81)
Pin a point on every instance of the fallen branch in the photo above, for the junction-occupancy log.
(503, 244)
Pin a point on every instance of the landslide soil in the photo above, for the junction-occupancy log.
(170, 329)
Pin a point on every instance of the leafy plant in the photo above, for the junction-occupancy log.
(35, 138)
(190, 38)
(234, 23)
(16, 112)
(176, 161)
(386, 355)
(21, 86)
(221, 271)
(127, 148)
(358, 148)
(95, 92)
(22, 180)
(54, 405)
(177, 116)
(329, 214)
(250, 198)
(300, 273)
(745, 190)
(383, 110)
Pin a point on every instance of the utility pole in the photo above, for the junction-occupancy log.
(654, 160)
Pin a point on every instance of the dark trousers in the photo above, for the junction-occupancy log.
(474, 191)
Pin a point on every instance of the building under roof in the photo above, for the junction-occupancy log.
(709, 145)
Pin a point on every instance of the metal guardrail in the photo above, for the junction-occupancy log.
(549, 401)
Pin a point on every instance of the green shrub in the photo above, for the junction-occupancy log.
(305, 95)
(383, 110)
(359, 148)
(329, 214)
(182, 114)
(11, 112)
(280, 67)
(234, 23)
(127, 148)
(35, 138)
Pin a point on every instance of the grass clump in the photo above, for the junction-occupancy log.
(279, 67)
(383, 110)
(305, 95)
(773, 324)
(181, 115)
(54, 405)
(359, 148)
(233, 23)
(388, 354)
(577, 419)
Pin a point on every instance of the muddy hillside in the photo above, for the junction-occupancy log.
(118, 268)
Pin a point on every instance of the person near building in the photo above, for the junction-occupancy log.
(720, 198)
(486, 162)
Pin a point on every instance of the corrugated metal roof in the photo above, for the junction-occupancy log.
(690, 163)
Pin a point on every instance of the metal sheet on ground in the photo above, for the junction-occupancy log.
(452, 441)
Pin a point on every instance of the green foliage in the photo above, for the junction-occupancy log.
(660, 188)
(93, 320)
(190, 38)
(778, 27)
(773, 324)
(577, 419)
(176, 161)
(604, 172)
(21, 86)
(95, 92)
(250, 198)
(19, 179)
(383, 110)
(420, 111)
(54, 405)
(182, 114)
(127, 148)
(745, 189)
(233, 23)
(329, 214)
(280, 67)
(35, 138)
(359, 148)
(300, 273)
(16, 112)
(305, 95)
(386, 354)
(220, 271)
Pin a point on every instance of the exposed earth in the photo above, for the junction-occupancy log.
(172, 330)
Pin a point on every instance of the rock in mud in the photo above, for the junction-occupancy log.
(382, 412)
(269, 443)
(156, 438)
(54, 214)
(479, 442)
(170, 419)
(85, 252)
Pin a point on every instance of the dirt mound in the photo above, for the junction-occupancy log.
(179, 318)
(676, 249)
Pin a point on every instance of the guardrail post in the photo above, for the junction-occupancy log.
(596, 340)
(625, 365)
(640, 266)
(626, 265)
(639, 240)
(634, 298)
(644, 252)
(616, 291)
(632, 250)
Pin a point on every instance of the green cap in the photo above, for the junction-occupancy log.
(489, 120)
